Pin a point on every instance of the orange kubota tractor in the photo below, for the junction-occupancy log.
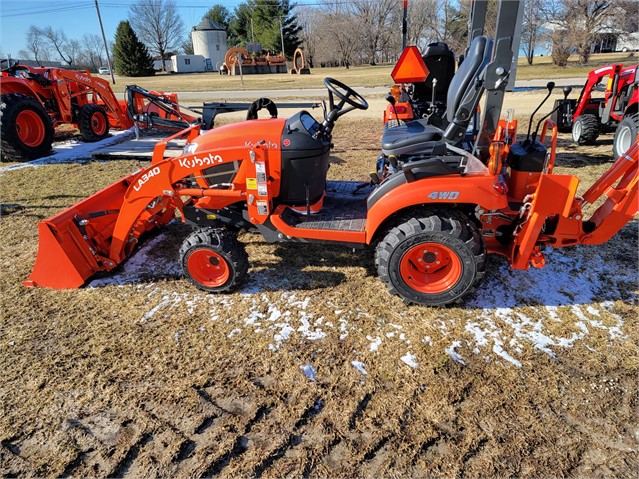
(432, 222)
(36, 100)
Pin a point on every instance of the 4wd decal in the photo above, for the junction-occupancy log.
(444, 195)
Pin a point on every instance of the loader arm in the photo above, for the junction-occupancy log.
(80, 83)
(100, 232)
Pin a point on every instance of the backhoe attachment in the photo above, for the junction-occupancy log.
(553, 214)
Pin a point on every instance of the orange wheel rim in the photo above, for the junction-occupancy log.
(430, 268)
(208, 268)
(30, 128)
(98, 123)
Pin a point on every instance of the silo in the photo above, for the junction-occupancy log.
(209, 40)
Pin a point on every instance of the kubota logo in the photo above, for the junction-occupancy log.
(82, 78)
(199, 162)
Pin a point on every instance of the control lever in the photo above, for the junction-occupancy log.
(566, 90)
(391, 99)
(550, 86)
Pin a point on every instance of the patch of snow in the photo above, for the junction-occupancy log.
(453, 354)
(73, 150)
(375, 344)
(410, 360)
(235, 332)
(309, 371)
(359, 366)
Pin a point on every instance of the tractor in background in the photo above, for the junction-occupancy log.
(37, 100)
(616, 110)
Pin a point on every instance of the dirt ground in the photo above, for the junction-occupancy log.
(312, 369)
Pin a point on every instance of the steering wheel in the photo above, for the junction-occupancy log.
(9, 65)
(344, 93)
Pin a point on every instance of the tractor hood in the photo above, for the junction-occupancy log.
(242, 134)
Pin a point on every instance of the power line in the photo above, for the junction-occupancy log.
(47, 10)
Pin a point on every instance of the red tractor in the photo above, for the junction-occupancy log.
(616, 107)
(37, 100)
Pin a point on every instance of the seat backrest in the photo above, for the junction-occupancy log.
(440, 61)
(479, 55)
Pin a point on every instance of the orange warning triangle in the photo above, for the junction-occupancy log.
(410, 67)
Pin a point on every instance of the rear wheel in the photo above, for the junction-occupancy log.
(433, 260)
(625, 135)
(94, 123)
(26, 128)
(214, 261)
(585, 129)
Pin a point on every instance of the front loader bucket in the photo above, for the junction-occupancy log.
(74, 244)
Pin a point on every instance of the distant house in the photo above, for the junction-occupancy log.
(33, 63)
(190, 64)
(157, 64)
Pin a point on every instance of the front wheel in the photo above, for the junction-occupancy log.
(214, 261)
(433, 260)
(585, 129)
(625, 135)
(94, 123)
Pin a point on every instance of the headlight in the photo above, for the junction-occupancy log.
(190, 148)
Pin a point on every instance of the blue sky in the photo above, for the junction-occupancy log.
(78, 17)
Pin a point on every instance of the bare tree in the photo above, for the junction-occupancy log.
(576, 23)
(422, 22)
(585, 20)
(92, 50)
(530, 32)
(37, 45)
(340, 39)
(308, 19)
(158, 25)
(59, 42)
(374, 17)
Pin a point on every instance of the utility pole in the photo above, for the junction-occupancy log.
(106, 46)
(282, 37)
(404, 25)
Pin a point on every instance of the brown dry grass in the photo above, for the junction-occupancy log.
(362, 76)
(152, 378)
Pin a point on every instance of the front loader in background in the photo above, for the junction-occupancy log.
(35, 101)
(432, 222)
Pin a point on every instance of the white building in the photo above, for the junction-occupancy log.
(189, 63)
(209, 41)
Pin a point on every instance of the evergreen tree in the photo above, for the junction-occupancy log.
(218, 14)
(259, 20)
(130, 56)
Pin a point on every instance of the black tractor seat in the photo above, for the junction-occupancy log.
(414, 137)
(464, 93)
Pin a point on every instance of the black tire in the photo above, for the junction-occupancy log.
(93, 123)
(625, 134)
(585, 129)
(17, 112)
(450, 233)
(213, 260)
